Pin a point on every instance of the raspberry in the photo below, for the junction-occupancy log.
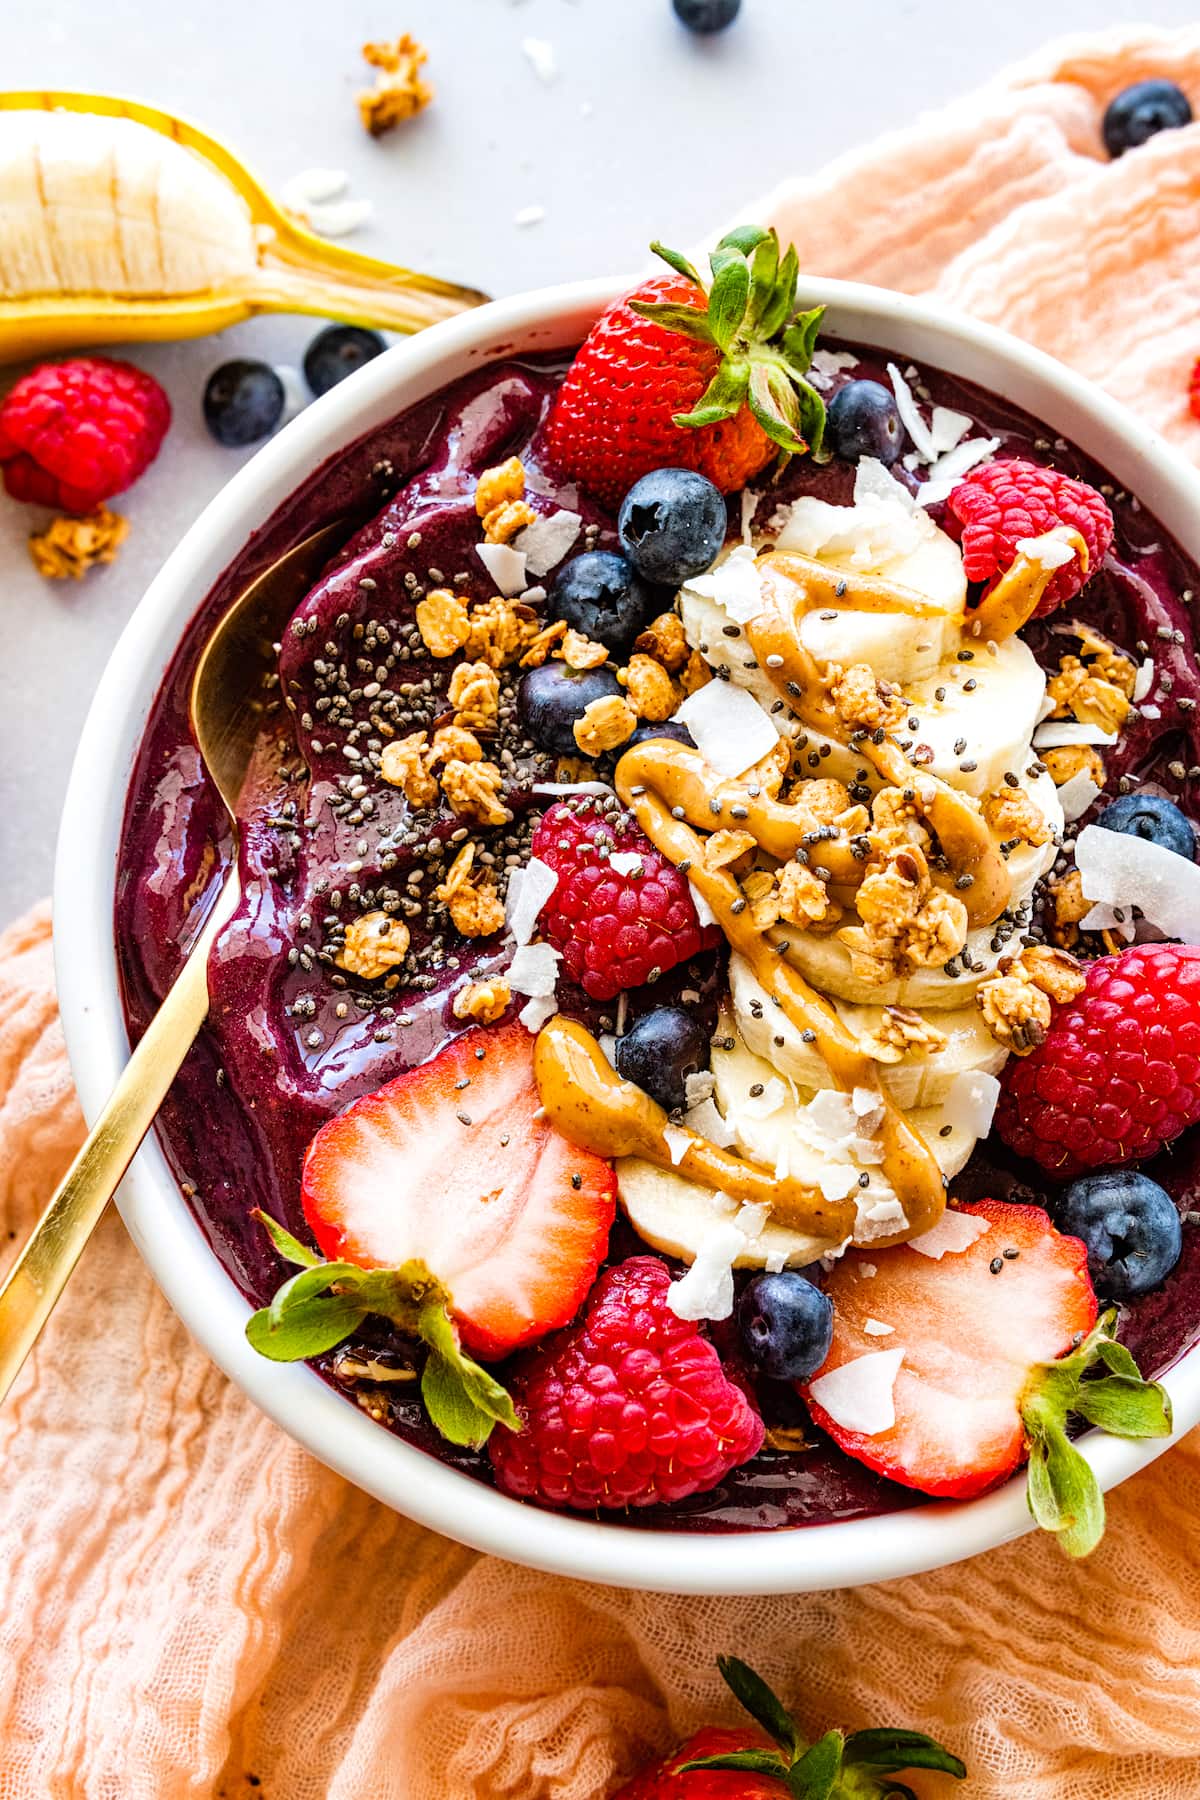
(1003, 502)
(616, 929)
(629, 1407)
(73, 434)
(1118, 1075)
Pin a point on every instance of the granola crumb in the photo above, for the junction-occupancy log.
(499, 484)
(605, 724)
(399, 90)
(696, 674)
(803, 898)
(580, 652)
(902, 1032)
(483, 1001)
(475, 908)
(473, 790)
(1097, 692)
(542, 645)
(864, 703)
(375, 944)
(1017, 1001)
(474, 693)
(651, 690)
(404, 763)
(1068, 760)
(501, 525)
(663, 639)
(442, 622)
(68, 547)
(1011, 813)
(498, 632)
(724, 848)
(1067, 907)
(906, 922)
(453, 743)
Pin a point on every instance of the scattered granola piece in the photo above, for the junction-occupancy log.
(375, 943)
(476, 909)
(864, 703)
(1016, 1002)
(1067, 906)
(579, 652)
(453, 743)
(696, 674)
(404, 764)
(724, 848)
(1068, 760)
(544, 643)
(483, 1001)
(902, 1032)
(651, 691)
(1080, 692)
(573, 768)
(663, 639)
(762, 891)
(442, 622)
(496, 486)
(897, 816)
(473, 790)
(502, 524)
(906, 922)
(474, 693)
(399, 91)
(605, 724)
(770, 771)
(498, 632)
(1012, 813)
(803, 897)
(68, 548)
(1056, 973)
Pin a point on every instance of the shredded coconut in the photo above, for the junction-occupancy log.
(534, 969)
(505, 565)
(1056, 732)
(1076, 795)
(534, 1014)
(528, 891)
(705, 1120)
(912, 417)
(733, 583)
(706, 1290)
(826, 365)
(943, 476)
(970, 1102)
(547, 540)
(627, 862)
(1143, 680)
(953, 1233)
(860, 1395)
(731, 730)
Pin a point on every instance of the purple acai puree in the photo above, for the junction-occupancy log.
(290, 1041)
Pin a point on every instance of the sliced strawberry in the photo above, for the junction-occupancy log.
(971, 1340)
(452, 1165)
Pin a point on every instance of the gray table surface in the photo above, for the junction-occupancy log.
(645, 131)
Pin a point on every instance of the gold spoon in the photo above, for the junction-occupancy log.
(227, 709)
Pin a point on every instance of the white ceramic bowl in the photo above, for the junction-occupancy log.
(159, 1222)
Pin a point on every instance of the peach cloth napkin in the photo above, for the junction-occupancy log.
(189, 1605)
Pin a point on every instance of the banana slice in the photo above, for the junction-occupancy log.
(675, 1215)
(918, 1081)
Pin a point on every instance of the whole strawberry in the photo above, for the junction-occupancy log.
(678, 375)
(621, 914)
(73, 434)
(1001, 503)
(742, 1763)
(629, 1407)
(1118, 1075)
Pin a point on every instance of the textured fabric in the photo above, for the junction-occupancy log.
(190, 1606)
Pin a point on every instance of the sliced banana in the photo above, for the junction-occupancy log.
(918, 1081)
(675, 1215)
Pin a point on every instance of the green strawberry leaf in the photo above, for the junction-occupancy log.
(889, 1748)
(1126, 1406)
(308, 1328)
(782, 299)
(800, 338)
(1064, 1495)
(750, 1762)
(745, 239)
(772, 400)
(760, 1701)
(464, 1401)
(814, 1776)
(722, 398)
(687, 321)
(727, 300)
(674, 259)
(290, 1248)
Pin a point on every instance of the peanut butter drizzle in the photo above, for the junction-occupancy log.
(908, 1162)
(587, 1101)
(1017, 595)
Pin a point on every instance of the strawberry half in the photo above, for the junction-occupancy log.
(677, 374)
(452, 1167)
(996, 1347)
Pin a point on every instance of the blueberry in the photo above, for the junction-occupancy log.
(863, 420)
(671, 728)
(1153, 817)
(786, 1325)
(243, 402)
(1142, 111)
(1130, 1226)
(707, 15)
(602, 595)
(552, 698)
(336, 352)
(672, 524)
(660, 1051)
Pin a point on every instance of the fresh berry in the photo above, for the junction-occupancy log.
(1118, 1075)
(971, 1338)
(673, 374)
(243, 402)
(601, 595)
(1000, 503)
(1194, 390)
(1142, 111)
(670, 728)
(663, 1781)
(706, 15)
(630, 1407)
(616, 929)
(864, 420)
(73, 434)
(1152, 817)
(659, 1051)
(1130, 1226)
(550, 701)
(337, 352)
(454, 1165)
(785, 1324)
(672, 524)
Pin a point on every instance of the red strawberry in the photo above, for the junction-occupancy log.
(73, 434)
(664, 1782)
(972, 1335)
(674, 375)
(452, 1165)
(1000, 503)
(1118, 1074)
(615, 929)
(630, 1407)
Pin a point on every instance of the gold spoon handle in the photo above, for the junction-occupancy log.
(33, 1285)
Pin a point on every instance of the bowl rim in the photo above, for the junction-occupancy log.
(844, 1553)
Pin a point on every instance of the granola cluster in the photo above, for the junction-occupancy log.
(906, 922)
(1017, 1001)
(68, 547)
(902, 1032)
(472, 901)
(862, 702)
(375, 945)
(399, 90)
(1095, 687)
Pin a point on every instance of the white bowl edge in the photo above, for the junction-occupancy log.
(844, 1553)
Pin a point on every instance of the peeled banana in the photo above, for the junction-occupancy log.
(118, 221)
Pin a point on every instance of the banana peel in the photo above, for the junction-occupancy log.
(121, 222)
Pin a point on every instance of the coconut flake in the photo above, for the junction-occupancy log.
(678, 1143)
(572, 787)
(947, 428)
(1131, 871)
(627, 862)
(867, 1105)
(706, 1121)
(539, 53)
(534, 969)
(1056, 733)
(1151, 712)
(775, 1261)
(860, 1395)
(608, 1043)
(1143, 681)
(837, 1180)
(970, 1102)
(752, 1217)
(704, 911)
(529, 889)
(1076, 795)
(733, 583)
(877, 1328)
(731, 730)
(1051, 549)
(340, 217)
(312, 187)
(547, 540)
(706, 1290)
(877, 1215)
(873, 480)
(943, 476)
(529, 215)
(750, 499)
(534, 1014)
(953, 1233)
(699, 1085)
(826, 365)
(1103, 917)
(505, 565)
(912, 417)
(773, 1099)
